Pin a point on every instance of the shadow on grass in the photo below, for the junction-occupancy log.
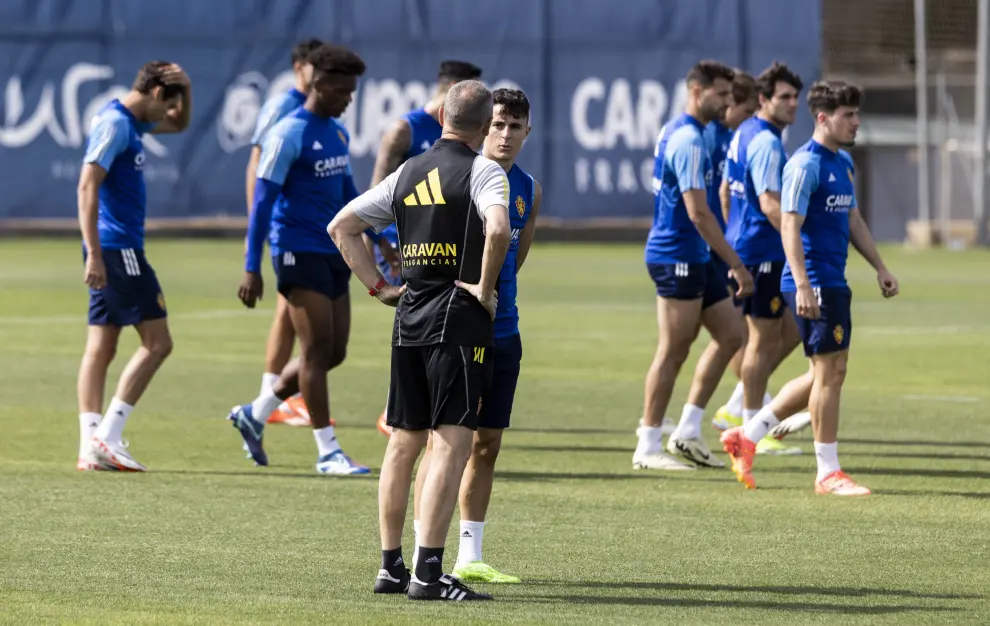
(934, 444)
(932, 456)
(889, 471)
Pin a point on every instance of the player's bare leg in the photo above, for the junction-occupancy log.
(101, 347)
(761, 356)
(323, 328)
(724, 326)
(278, 352)
(677, 322)
(830, 373)
(451, 450)
(421, 473)
(156, 345)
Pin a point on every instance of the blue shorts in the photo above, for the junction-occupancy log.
(689, 281)
(327, 274)
(132, 294)
(833, 330)
(496, 407)
(766, 302)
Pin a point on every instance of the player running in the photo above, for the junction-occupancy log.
(509, 129)
(304, 175)
(123, 288)
(819, 219)
(412, 134)
(690, 292)
(755, 166)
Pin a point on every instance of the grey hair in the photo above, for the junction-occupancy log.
(467, 106)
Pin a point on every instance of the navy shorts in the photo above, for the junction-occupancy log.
(833, 330)
(496, 407)
(766, 302)
(689, 281)
(132, 294)
(323, 273)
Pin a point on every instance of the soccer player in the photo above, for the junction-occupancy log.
(123, 288)
(305, 176)
(755, 165)
(690, 293)
(819, 219)
(411, 135)
(510, 127)
(451, 208)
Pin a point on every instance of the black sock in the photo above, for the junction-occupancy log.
(429, 568)
(392, 561)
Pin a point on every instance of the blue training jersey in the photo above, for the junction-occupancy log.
(755, 165)
(522, 193)
(273, 110)
(718, 138)
(114, 144)
(305, 172)
(819, 184)
(681, 163)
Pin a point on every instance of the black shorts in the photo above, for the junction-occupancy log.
(437, 385)
(766, 302)
(132, 294)
(323, 273)
(496, 409)
(832, 332)
(689, 281)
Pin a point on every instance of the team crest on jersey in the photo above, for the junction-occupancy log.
(520, 206)
(343, 139)
(852, 178)
(161, 301)
(838, 333)
(775, 304)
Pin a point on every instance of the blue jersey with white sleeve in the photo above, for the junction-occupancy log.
(114, 144)
(304, 179)
(681, 164)
(274, 110)
(717, 137)
(522, 192)
(755, 165)
(819, 184)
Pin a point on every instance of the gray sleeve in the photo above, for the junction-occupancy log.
(375, 205)
(489, 185)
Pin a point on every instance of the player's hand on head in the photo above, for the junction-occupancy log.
(175, 75)
(95, 273)
(487, 300)
(251, 290)
(888, 284)
(744, 280)
(390, 295)
(807, 303)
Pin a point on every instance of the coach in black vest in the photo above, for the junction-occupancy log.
(450, 206)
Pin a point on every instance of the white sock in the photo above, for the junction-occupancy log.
(112, 426)
(827, 455)
(87, 426)
(758, 427)
(264, 405)
(767, 398)
(470, 546)
(748, 415)
(690, 425)
(735, 404)
(650, 440)
(415, 542)
(268, 381)
(326, 440)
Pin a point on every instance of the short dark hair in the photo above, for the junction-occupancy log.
(329, 59)
(828, 95)
(513, 101)
(302, 49)
(743, 86)
(467, 106)
(777, 73)
(152, 75)
(454, 71)
(705, 73)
